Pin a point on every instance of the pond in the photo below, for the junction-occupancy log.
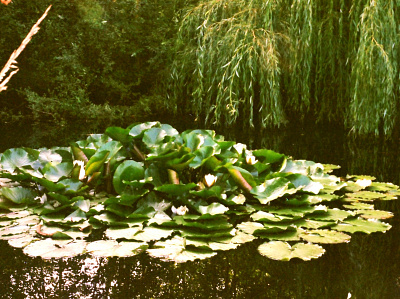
(367, 267)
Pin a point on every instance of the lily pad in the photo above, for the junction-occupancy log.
(113, 248)
(361, 225)
(282, 251)
(325, 236)
(176, 250)
(50, 248)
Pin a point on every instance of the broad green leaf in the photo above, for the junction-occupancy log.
(22, 241)
(361, 225)
(374, 214)
(78, 153)
(128, 170)
(105, 248)
(282, 251)
(272, 189)
(152, 233)
(119, 134)
(96, 162)
(16, 158)
(48, 248)
(19, 195)
(12, 230)
(76, 216)
(54, 173)
(176, 190)
(250, 227)
(137, 131)
(123, 233)
(268, 156)
(176, 250)
(213, 209)
(153, 137)
(324, 236)
(49, 156)
(83, 204)
(331, 214)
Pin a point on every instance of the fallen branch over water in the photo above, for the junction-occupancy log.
(11, 63)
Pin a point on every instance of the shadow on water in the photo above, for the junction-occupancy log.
(367, 267)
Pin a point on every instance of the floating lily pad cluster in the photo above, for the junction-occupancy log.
(178, 197)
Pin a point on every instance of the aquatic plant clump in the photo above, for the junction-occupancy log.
(178, 197)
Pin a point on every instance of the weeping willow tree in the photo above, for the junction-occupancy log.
(375, 76)
(228, 63)
(266, 62)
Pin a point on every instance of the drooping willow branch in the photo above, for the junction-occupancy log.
(12, 62)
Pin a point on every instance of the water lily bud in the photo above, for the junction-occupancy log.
(210, 180)
(82, 169)
(251, 160)
(182, 210)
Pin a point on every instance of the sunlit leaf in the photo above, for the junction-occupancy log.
(49, 248)
(282, 251)
(15, 158)
(55, 172)
(175, 250)
(325, 236)
(19, 195)
(105, 248)
(361, 225)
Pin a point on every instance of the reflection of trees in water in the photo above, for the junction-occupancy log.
(365, 267)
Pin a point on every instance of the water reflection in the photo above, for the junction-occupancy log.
(367, 267)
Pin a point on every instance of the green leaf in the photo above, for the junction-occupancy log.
(16, 158)
(119, 134)
(268, 156)
(128, 170)
(48, 248)
(152, 233)
(19, 195)
(54, 173)
(213, 209)
(96, 162)
(361, 225)
(108, 248)
(325, 236)
(123, 233)
(83, 204)
(137, 131)
(282, 251)
(374, 214)
(154, 136)
(78, 153)
(176, 190)
(272, 189)
(176, 250)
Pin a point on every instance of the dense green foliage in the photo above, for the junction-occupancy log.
(180, 197)
(261, 63)
(87, 52)
(265, 62)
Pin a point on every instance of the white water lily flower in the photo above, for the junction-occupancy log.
(210, 179)
(82, 170)
(182, 210)
(42, 199)
(251, 160)
(364, 183)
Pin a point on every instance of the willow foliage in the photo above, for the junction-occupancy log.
(264, 62)
(229, 62)
(375, 70)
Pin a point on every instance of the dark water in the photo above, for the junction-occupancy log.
(367, 267)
